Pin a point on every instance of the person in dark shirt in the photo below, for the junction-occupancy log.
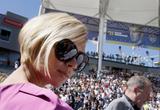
(137, 92)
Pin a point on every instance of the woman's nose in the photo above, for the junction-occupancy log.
(72, 64)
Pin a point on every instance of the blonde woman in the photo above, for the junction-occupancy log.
(52, 49)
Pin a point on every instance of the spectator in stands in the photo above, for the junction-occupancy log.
(138, 91)
(3, 76)
(51, 47)
(17, 63)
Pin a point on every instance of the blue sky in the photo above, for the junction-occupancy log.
(30, 8)
(27, 8)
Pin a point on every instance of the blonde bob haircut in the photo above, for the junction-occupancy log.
(38, 36)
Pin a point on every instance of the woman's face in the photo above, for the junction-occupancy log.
(60, 71)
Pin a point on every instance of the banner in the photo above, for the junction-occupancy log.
(133, 34)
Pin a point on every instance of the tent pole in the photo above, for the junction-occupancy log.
(159, 14)
(159, 24)
(100, 45)
(102, 13)
(41, 8)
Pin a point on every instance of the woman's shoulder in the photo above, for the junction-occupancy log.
(30, 96)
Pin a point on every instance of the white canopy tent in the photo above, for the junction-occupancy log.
(144, 12)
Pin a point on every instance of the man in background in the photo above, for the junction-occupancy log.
(138, 91)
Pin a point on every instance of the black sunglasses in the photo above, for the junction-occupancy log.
(66, 50)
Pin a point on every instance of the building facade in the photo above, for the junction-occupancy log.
(10, 25)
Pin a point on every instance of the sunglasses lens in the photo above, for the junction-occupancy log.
(65, 50)
(82, 61)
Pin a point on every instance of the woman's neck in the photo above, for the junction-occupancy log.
(25, 75)
(17, 76)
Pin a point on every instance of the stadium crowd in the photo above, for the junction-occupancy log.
(87, 92)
